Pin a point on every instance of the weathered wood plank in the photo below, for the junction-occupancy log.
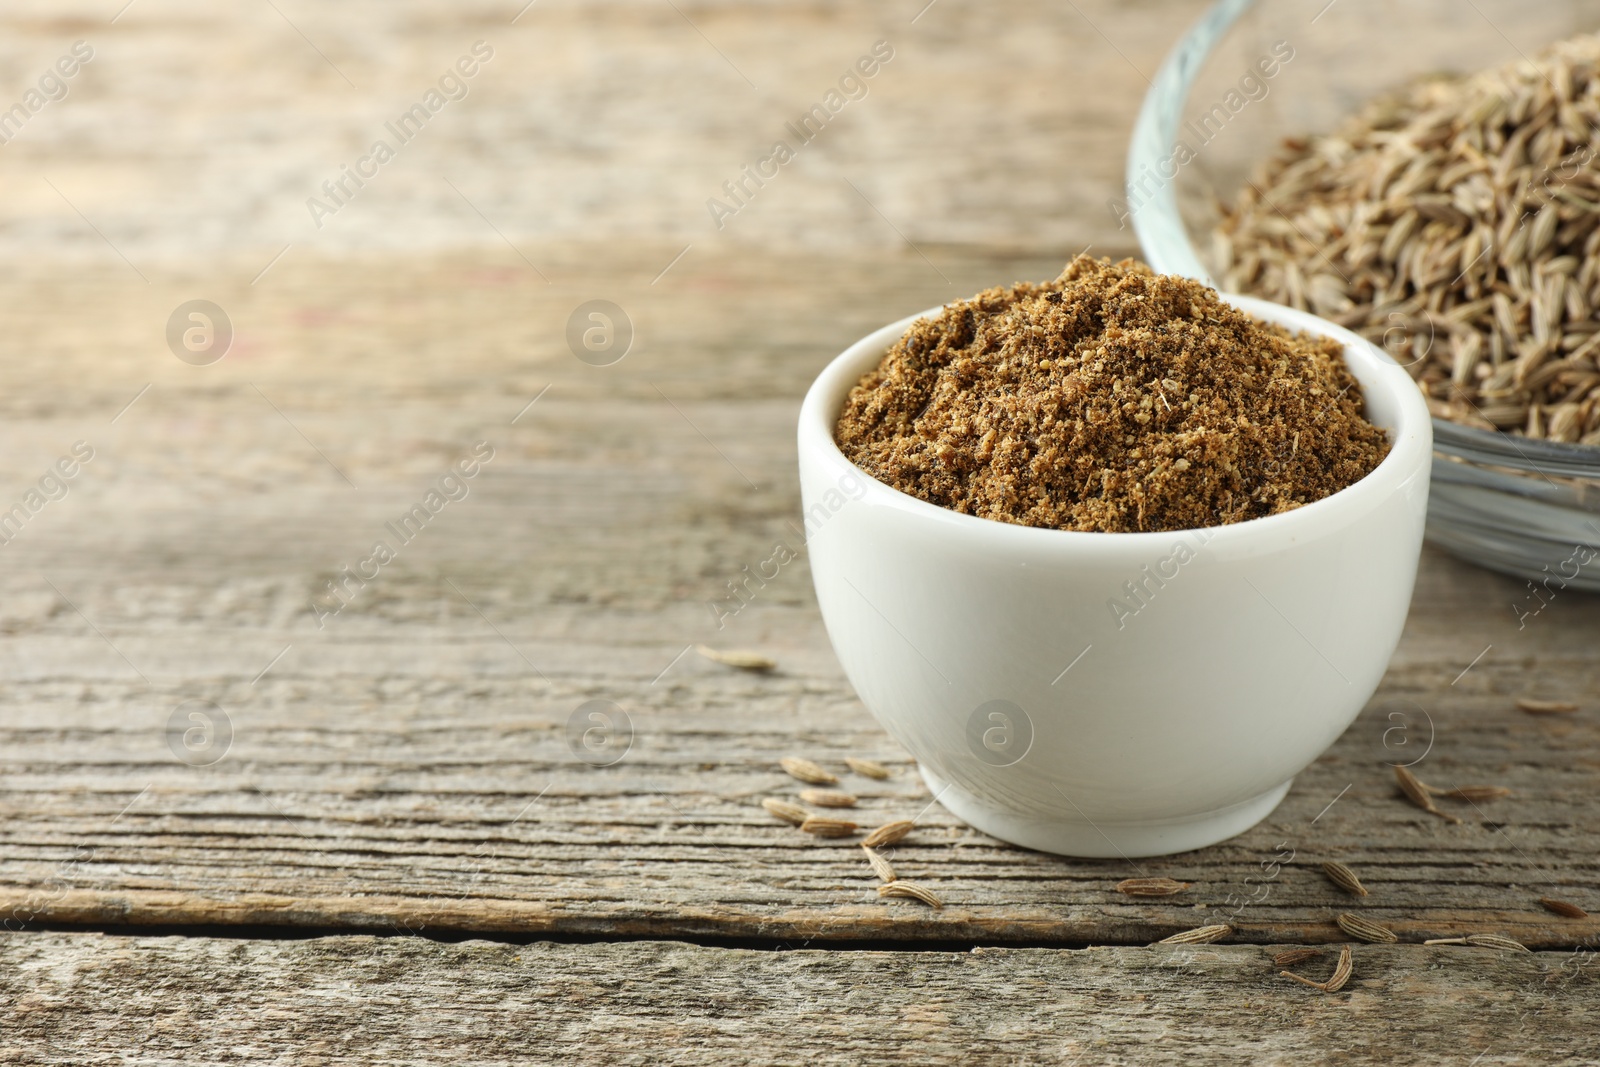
(601, 122)
(407, 766)
(88, 999)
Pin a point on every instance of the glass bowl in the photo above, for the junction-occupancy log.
(1250, 73)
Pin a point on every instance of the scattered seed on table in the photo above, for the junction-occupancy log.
(1474, 792)
(1296, 955)
(867, 768)
(806, 771)
(1344, 878)
(1201, 935)
(1561, 907)
(880, 866)
(825, 827)
(1546, 707)
(827, 798)
(789, 813)
(1341, 974)
(1341, 971)
(1365, 930)
(1504, 944)
(1417, 793)
(748, 661)
(911, 891)
(889, 833)
(1151, 887)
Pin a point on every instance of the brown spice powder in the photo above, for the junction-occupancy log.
(1112, 399)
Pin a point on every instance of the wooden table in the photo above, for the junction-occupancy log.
(379, 843)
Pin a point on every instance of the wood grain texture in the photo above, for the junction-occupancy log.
(407, 765)
(86, 999)
(198, 135)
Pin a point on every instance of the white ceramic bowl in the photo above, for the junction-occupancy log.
(1043, 714)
